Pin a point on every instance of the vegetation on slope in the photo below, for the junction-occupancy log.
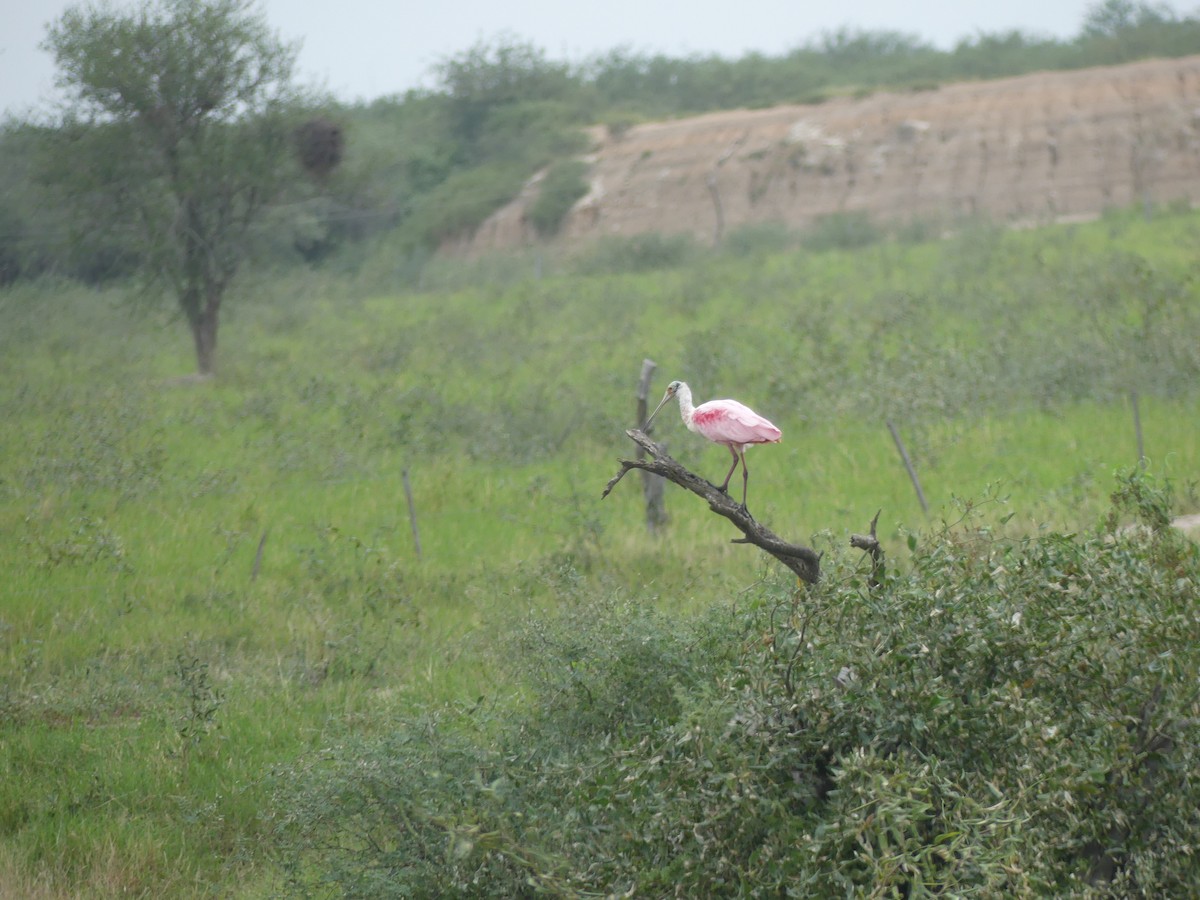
(429, 166)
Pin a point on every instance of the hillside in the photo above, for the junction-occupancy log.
(1051, 145)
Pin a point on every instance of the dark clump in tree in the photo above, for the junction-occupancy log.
(176, 134)
(320, 143)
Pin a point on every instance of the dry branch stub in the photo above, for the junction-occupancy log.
(869, 543)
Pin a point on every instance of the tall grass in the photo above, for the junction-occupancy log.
(205, 581)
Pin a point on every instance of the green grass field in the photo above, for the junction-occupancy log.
(206, 582)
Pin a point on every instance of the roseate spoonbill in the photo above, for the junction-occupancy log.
(726, 422)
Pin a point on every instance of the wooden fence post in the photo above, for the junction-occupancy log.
(912, 473)
(262, 542)
(652, 485)
(1137, 429)
(412, 512)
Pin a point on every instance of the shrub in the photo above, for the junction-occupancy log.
(618, 124)
(12, 232)
(758, 238)
(842, 231)
(564, 183)
(918, 229)
(605, 667)
(637, 253)
(1011, 717)
(460, 204)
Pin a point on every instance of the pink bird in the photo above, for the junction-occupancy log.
(726, 422)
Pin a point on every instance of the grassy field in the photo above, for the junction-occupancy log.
(203, 582)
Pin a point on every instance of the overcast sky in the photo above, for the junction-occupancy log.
(363, 49)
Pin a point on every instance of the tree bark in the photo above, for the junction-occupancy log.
(204, 316)
(803, 561)
(204, 335)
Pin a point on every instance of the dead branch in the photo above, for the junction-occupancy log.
(804, 561)
(870, 544)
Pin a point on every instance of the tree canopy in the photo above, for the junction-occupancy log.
(177, 131)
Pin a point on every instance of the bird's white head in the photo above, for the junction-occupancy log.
(672, 389)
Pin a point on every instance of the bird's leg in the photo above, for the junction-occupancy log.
(724, 488)
(745, 480)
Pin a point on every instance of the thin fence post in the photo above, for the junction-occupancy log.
(262, 542)
(412, 512)
(1137, 429)
(912, 473)
(652, 485)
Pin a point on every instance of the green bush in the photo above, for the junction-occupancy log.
(758, 238)
(460, 204)
(12, 233)
(564, 183)
(618, 124)
(843, 231)
(533, 133)
(919, 229)
(637, 253)
(1009, 717)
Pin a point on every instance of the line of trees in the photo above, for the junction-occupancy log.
(175, 156)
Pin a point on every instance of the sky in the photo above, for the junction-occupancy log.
(364, 49)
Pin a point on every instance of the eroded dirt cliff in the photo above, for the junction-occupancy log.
(1033, 148)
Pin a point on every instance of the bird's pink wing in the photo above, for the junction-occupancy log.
(731, 422)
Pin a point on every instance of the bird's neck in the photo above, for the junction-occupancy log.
(685, 404)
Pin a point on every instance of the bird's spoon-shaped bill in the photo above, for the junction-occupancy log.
(663, 402)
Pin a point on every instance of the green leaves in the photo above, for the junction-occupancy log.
(171, 62)
(564, 183)
(490, 79)
(1009, 718)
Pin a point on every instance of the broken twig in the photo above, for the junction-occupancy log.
(870, 544)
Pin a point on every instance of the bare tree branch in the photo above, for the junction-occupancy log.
(804, 561)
